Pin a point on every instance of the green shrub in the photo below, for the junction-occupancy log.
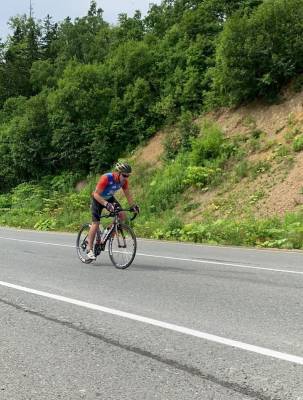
(297, 83)
(208, 148)
(46, 224)
(291, 134)
(254, 145)
(187, 129)
(200, 176)
(271, 232)
(64, 182)
(282, 151)
(256, 133)
(268, 144)
(29, 197)
(259, 167)
(191, 206)
(180, 139)
(174, 223)
(172, 145)
(298, 143)
(168, 182)
(242, 170)
(5, 201)
(258, 53)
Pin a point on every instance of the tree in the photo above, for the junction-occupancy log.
(49, 35)
(43, 75)
(76, 41)
(25, 143)
(17, 56)
(76, 107)
(130, 28)
(258, 53)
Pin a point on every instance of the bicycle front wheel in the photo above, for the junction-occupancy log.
(122, 246)
(82, 243)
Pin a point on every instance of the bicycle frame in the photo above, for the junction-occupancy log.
(113, 226)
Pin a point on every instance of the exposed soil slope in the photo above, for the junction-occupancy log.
(273, 192)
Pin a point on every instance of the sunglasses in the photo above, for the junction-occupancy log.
(125, 175)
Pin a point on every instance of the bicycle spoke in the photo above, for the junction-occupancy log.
(122, 246)
(82, 243)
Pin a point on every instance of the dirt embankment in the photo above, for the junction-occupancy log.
(282, 191)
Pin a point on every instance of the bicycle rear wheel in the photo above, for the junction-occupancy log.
(81, 244)
(122, 246)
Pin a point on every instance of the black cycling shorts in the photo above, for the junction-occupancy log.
(97, 208)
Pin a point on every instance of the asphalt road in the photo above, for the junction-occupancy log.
(183, 322)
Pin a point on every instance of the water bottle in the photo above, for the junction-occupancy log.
(104, 234)
(99, 235)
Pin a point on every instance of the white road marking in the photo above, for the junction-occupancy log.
(176, 328)
(222, 263)
(193, 260)
(34, 241)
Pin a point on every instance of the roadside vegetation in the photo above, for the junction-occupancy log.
(209, 162)
(85, 93)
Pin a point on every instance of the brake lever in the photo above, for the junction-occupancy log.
(134, 216)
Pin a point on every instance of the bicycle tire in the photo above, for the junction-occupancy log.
(124, 234)
(81, 244)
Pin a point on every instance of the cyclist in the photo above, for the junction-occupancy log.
(103, 197)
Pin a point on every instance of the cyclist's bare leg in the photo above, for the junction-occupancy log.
(122, 216)
(92, 233)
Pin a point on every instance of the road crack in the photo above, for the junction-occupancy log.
(245, 390)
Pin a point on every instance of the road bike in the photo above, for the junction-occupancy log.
(121, 239)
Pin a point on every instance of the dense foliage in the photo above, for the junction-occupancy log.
(258, 53)
(76, 95)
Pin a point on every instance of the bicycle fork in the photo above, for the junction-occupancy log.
(120, 237)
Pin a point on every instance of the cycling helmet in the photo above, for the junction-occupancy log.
(123, 167)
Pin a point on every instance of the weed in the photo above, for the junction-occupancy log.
(253, 145)
(207, 148)
(172, 145)
(192, 206)
(200, 176)
(291, 134)
(267, 145)
(291, 120)
(259, 168)
(256, 197)
(45, 224)
(249, 122)
(282, 151)
(298, 143)
(180, 139)
(242, 170)
(256, 133)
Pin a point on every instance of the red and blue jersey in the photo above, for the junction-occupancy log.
(109, 184)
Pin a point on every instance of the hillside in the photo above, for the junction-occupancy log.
(250, 191)
(271, 129)
(279, 124)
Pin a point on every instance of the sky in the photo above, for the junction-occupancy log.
(60, 9)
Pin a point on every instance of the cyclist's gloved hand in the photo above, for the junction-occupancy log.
(110, 207)
(135, 208)
(116, 207)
